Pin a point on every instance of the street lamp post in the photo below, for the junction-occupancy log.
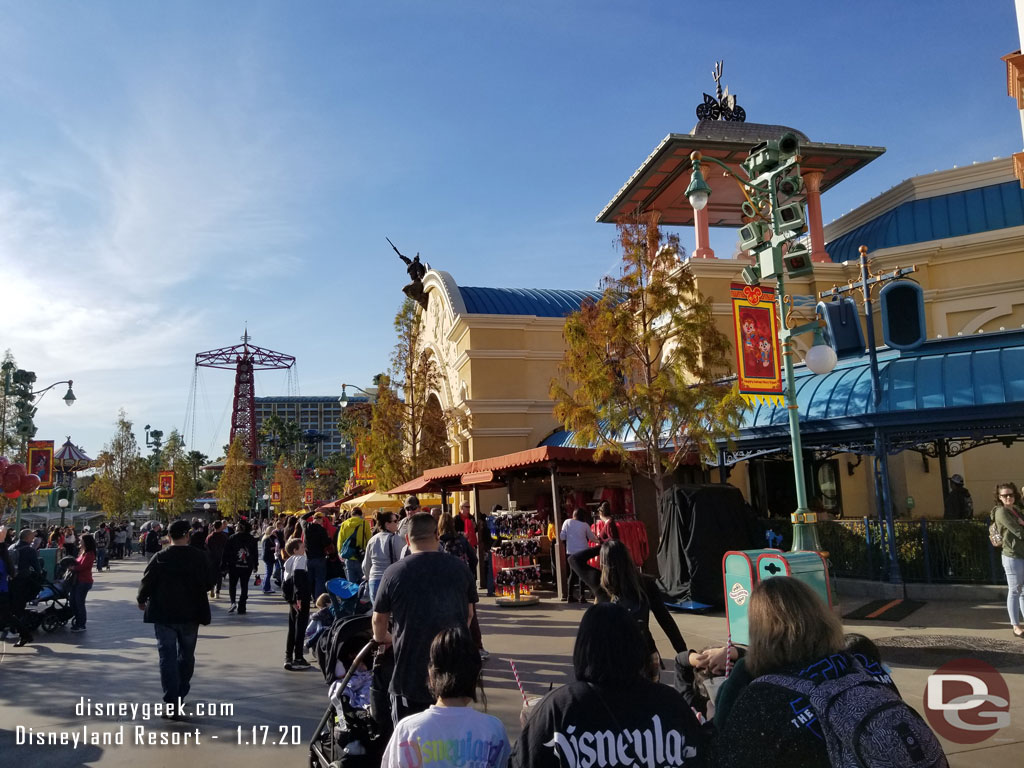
(343, 401)
(25, 426)
(63, 504)
(266, 503)
(772, 169)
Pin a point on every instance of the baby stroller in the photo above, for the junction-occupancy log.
(356, 726)
(52, 606)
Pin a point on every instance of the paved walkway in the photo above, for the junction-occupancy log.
(239, 664)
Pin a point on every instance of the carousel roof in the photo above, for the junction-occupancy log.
(70, 458)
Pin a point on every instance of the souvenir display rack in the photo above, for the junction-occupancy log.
(519, 544)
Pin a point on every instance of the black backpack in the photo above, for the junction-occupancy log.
(865, 723)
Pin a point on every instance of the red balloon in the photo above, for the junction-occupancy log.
(4, 464)
(13, 495)
(18, 469)
(29, 483)
(12, 481)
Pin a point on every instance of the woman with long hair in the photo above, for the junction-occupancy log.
(451, 723)
(82, 568)
(383, 549)
(611, 705)
(764, 713)
(454, 542)
(619, 580)
(1008, 516)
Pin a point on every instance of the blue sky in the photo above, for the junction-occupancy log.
(172, 171)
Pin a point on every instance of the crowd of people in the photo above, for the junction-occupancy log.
(800, 694)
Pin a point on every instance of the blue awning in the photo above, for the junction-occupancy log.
(973, 383)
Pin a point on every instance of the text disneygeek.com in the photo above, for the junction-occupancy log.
(147, 734)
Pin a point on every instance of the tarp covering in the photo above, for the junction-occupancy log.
(371, 502)
(699, 524)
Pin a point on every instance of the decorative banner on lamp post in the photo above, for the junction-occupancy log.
(275, 493)
(758, 359)
(362, 470)
(40, 462)
(307, 496)
(165, 485)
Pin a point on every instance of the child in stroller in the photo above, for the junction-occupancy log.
(356, 725)
(52, 606)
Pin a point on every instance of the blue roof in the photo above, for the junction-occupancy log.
(541, 302)
(959, 213)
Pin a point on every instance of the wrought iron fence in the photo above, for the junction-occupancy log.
(947, 551)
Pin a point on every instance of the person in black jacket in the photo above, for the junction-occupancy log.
(619, 580)
(612, 714)
(173, 596)
(240, 558)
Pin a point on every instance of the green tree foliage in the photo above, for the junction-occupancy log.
(122, 484)
(408, 428)
(173, 456)
(648, 361)
(291, 489)
(10, 441)
(233, 489)
(333, 472)
(195, 460)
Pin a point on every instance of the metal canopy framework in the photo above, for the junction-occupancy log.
(660, 183)
(947, 397)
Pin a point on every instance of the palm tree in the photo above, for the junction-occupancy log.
(196, 459)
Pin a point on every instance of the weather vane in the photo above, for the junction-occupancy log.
(725, 106)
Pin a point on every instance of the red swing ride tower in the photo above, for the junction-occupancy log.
(244, 359)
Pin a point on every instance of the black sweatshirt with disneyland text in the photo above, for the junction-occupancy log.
(583, 726)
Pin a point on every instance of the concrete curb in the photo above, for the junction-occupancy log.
(879, 590)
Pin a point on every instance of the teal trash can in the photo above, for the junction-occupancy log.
(808, 567)
(739, 573)
(49, 560)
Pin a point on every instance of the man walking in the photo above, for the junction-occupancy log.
(421, 594)
(352, 537)
(240, 558)
(173, 596)
(216, 543)
(316, 540)
(28, 570)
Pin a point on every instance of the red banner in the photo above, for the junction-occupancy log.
(362, 470)
(40, 462)
(165, 485)
(275, 493)
(758, 361)
(308, 496)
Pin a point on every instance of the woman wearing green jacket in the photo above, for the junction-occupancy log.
(1009, 519)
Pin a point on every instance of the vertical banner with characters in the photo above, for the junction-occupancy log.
(165, 485)
(758, 362)
(40, 462)
(275, 493)
(362, 470)
(307, 497)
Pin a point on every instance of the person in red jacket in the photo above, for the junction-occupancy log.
(82, 568)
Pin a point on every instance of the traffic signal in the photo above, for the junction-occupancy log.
(22, 391)
(798, 260)
(769, 155)
(903, 325)
(791, 217)
(751, 274)
(842, 327)
(753, 233)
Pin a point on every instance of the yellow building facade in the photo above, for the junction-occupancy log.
(498, 349)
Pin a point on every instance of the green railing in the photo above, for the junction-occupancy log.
(950, 551)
